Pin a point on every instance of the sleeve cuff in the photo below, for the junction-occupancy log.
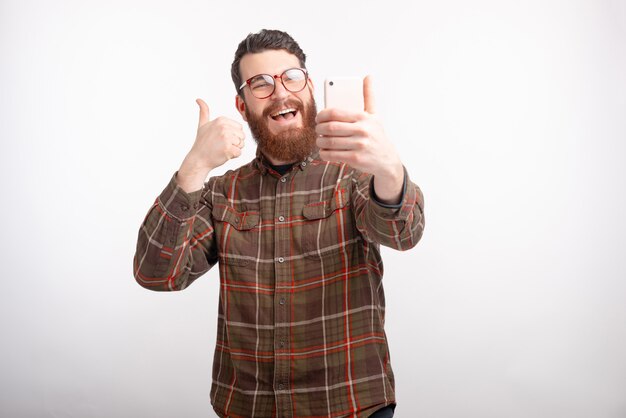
(400, 211)
(385, 205)
(177, 203)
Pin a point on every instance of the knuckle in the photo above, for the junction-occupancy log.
(361, 130)
(360, 143)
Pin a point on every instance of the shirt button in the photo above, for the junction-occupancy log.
(283, 179)
(281, 218)
(304, 164)
(282, 301)
(282, 343)
(281, 386)
(281, 260)
(184, 208)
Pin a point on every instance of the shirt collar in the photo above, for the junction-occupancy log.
(262, 164)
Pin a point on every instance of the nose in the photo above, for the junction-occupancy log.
(280, 92)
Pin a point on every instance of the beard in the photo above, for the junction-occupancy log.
(290, 145)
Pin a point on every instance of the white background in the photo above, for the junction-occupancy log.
(510, 115)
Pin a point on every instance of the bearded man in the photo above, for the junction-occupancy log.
(296, 234)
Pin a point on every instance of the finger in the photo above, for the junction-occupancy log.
(339, 115)
(223, 120)
(347, 157)
(336, 143)
(239, 142)
(237, 133)
(234, 151)
(368, 95)
(228, 129)
(336, 129)
(204, 112)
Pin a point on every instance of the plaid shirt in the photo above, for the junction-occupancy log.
(302, 308)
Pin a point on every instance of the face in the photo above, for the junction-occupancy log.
(283, 139)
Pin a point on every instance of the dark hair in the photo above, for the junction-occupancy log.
(262, 41)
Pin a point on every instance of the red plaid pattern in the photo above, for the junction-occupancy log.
(302, 308)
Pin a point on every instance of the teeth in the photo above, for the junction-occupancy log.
(282, 112)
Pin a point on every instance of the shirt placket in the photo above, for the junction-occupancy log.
(282, 298)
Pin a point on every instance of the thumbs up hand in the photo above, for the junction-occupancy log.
(217, 141)
(359, 140)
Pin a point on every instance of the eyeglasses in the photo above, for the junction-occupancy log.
(262, 86)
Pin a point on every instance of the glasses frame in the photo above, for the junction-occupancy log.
(276, 77)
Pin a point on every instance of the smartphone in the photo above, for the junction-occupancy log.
(344, 93)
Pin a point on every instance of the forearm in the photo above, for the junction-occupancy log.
(165, 257)
(398, 226)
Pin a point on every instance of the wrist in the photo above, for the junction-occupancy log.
(190, 177)
(392, 173)
(388, 185)
(194, 165)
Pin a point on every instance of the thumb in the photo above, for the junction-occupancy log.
(368, 95)
(204, 112)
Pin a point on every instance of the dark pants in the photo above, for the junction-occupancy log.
(386, 412)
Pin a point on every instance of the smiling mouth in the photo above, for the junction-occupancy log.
(284, 114)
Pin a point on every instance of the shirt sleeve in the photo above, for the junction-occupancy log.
(375, 198)
(176, 242)
(396, 226)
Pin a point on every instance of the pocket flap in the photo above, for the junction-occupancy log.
(242, 221)
(325, 208)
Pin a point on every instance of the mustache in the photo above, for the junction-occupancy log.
(290, 103)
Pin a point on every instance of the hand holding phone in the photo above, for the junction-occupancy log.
(351, 133)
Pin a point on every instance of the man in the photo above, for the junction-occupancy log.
(296, 236)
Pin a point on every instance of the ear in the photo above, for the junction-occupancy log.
(241, 107)
(311, 86)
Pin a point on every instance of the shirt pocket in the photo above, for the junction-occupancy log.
(237, 235)
(327, 225)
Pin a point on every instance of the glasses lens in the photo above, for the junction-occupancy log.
(294, 79)
(262, 85)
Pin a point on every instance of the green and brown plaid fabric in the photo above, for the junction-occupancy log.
(302, 308)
